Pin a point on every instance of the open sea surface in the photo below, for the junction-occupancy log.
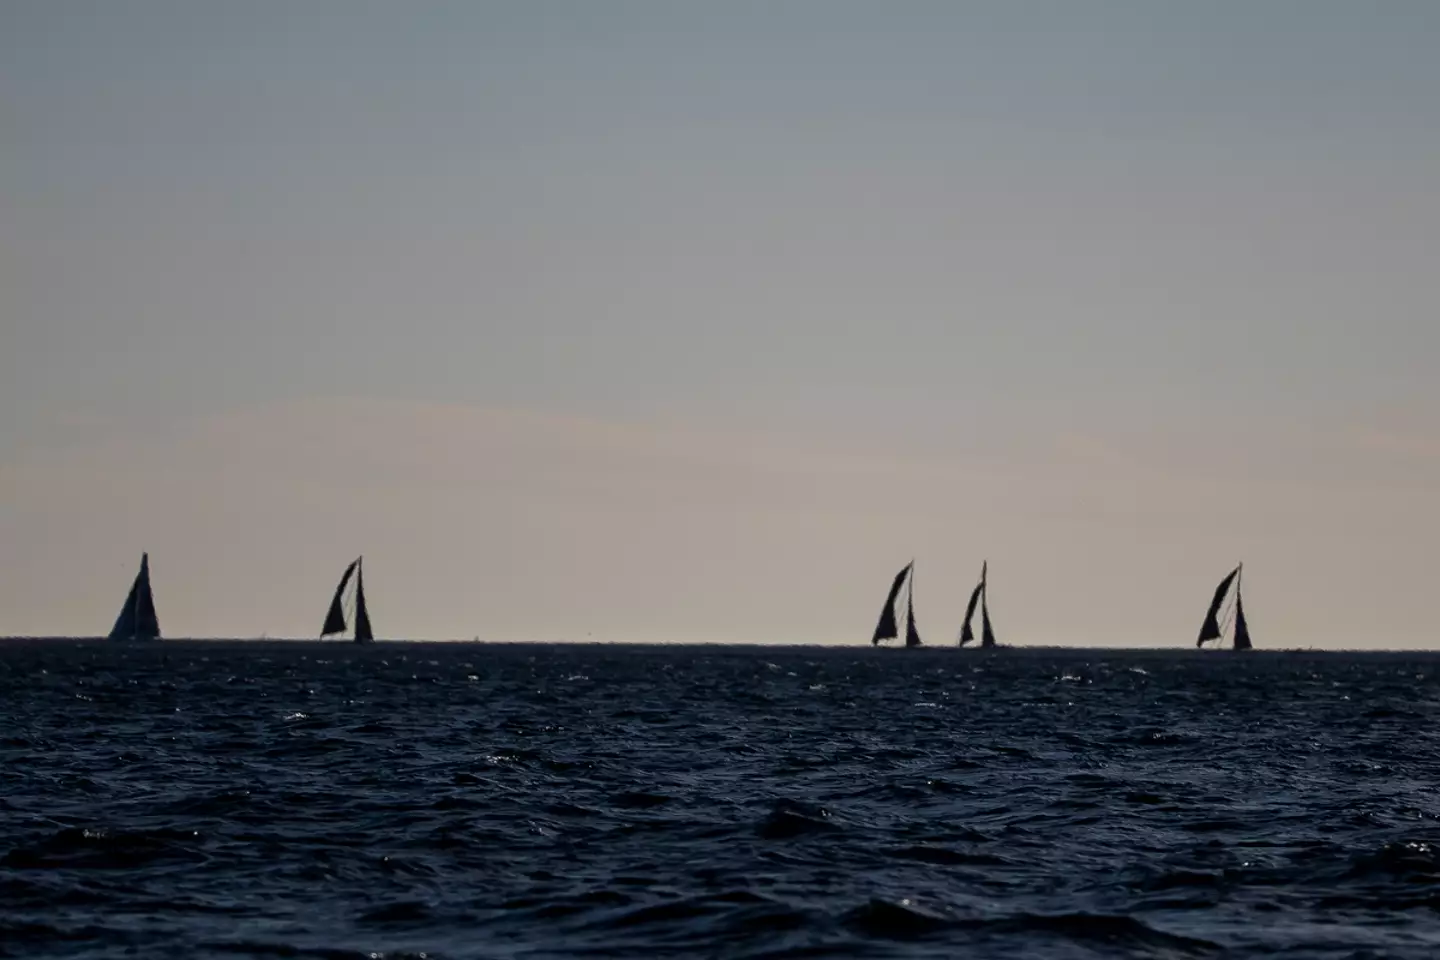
(307, 800)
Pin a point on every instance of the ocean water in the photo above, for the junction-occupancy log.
(265, 799)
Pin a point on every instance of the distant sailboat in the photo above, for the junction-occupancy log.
(1211, 628)
(979, 595)
(137, 619)
(335, 619)
(888, 628)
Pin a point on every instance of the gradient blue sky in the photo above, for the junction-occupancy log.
(694, 321)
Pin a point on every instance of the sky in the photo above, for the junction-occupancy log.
(669, 320)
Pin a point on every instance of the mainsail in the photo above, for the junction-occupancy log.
(887, 628)
(363, 633)
(137, 619)
(335, 619)
(980, 595)
(1211, 629)
(912, 636)
(1242, 629)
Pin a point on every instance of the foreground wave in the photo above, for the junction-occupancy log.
(456, 801)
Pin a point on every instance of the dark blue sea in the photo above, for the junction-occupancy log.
(307, 800)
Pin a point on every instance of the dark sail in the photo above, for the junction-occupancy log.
(147, 623)
(363, 633)
(887, 629)
(966, 632)
(1210, 629)
(912, 636)
(124, 628)
(137, 619)
(987, 635)
(1242, 629)
(335, 619)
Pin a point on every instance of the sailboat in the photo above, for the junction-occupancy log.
(979, 595)
(888, 628)
(335, 619)
(1211, 629)
(137, 620)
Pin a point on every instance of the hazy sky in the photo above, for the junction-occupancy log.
(679, 320)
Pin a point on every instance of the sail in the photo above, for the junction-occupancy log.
(335, 619)
(137, 619)
(1242, 629)
(147, 623)
(966, 632)
(912, 636)
(124, 628)
(887, 629)
(363, 634)
(987, 635)
(1210, 629)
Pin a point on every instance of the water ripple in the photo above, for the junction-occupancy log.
(458, 801)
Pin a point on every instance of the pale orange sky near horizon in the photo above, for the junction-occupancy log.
(649, 321)
(515, 526)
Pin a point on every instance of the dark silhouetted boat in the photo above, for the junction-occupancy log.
(1212, 628)
(980, 595)
(335, 619)
(888, 628)
(137, 620)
